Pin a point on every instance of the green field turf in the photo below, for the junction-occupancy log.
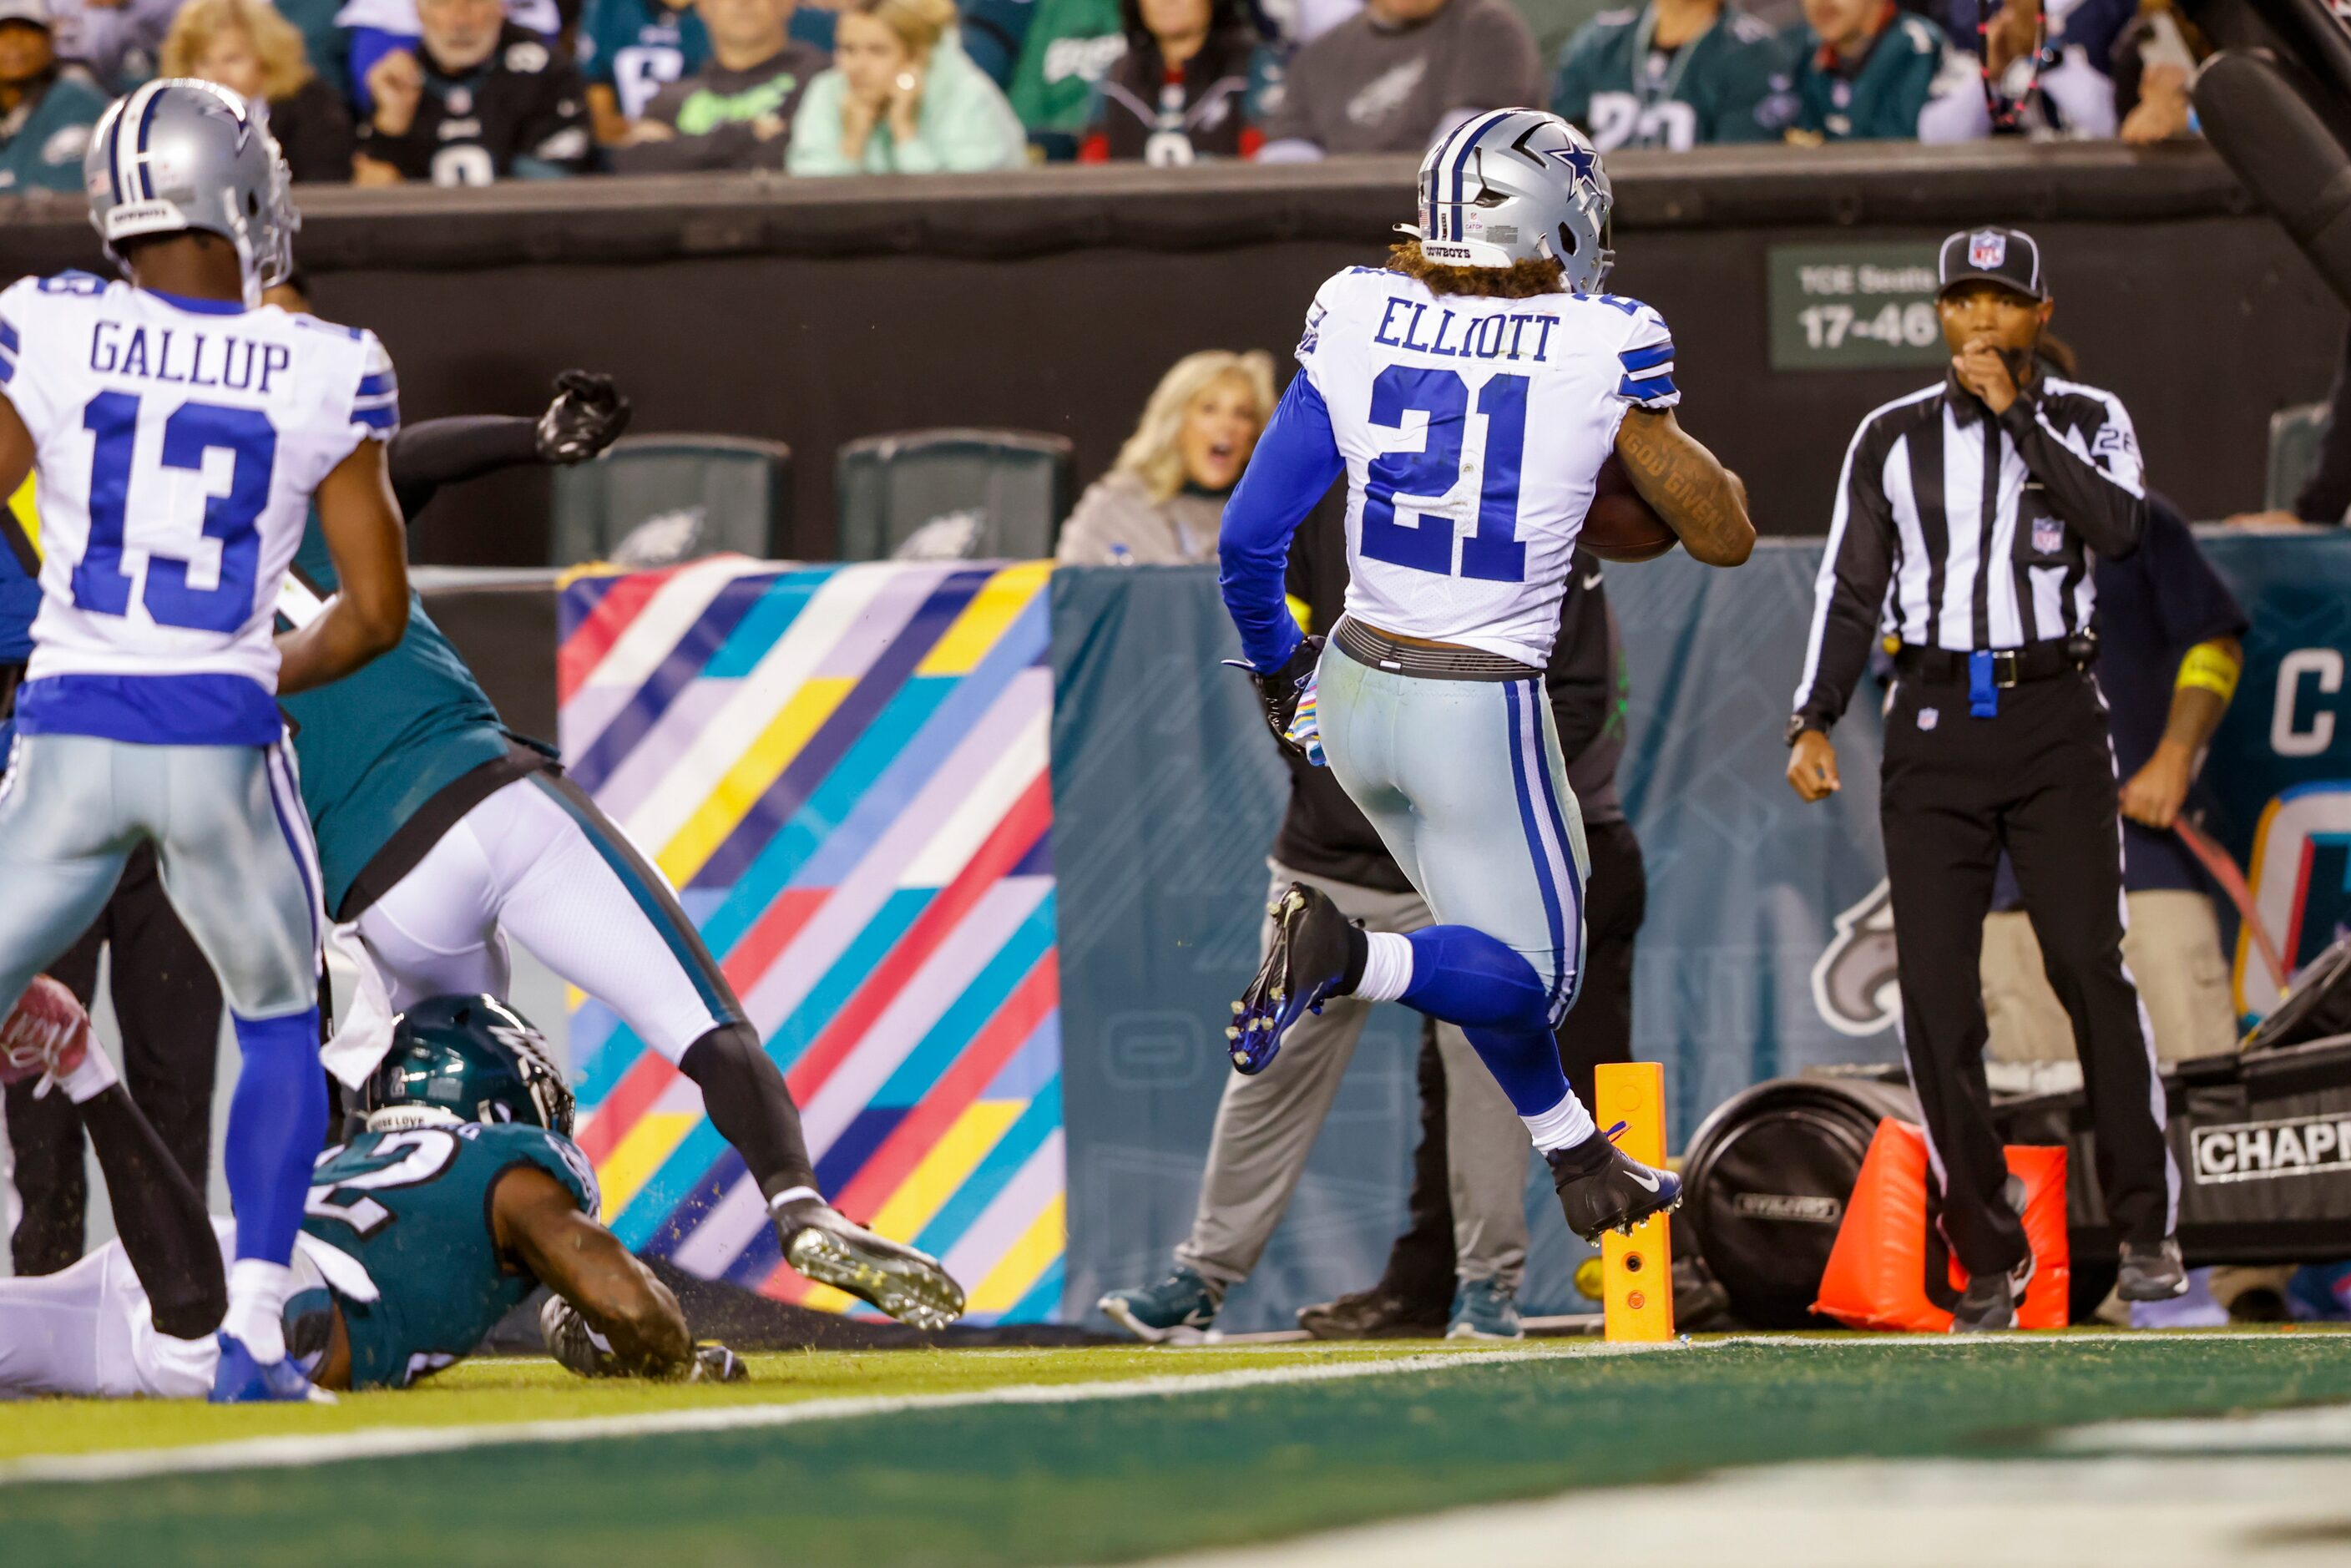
(1107, 1478)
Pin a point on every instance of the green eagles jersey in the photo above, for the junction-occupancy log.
(1879, 98)
(1071, 44)
(412, 1210)
(1719, 87)
(42, 140)
(376, 745)
(636, 47)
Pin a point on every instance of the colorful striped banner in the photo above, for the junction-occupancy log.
(843, 771)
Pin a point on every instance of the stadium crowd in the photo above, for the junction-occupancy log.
(378, 93)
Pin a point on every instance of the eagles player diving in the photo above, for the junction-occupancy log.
(1471, 391)
(463, 1192)
(180, 431)
(441, 833)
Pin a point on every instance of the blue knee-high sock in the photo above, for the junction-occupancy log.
(1464, 977)
(276, 1122)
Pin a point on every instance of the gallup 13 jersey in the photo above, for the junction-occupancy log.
(398, 1226)
(1473, 429)
(177, 444)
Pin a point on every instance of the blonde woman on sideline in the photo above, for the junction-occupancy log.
(247, 47)
(1160, 505)
(903, 97)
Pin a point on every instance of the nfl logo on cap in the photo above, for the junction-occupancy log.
(1986, 250)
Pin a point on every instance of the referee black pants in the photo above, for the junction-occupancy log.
(169, 1006)
(2037, 779)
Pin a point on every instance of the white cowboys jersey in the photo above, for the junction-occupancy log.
(1473, 429)
(177, 444)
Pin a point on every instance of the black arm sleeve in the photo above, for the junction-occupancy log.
(423, 457)
(2327, 493)
(2101, 502)
(1580, 674)
(1851, 591)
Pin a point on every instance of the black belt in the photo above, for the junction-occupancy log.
(2010, 666)
(11, 678)
(1429, 661)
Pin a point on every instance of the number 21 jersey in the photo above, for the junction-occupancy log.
(177, 444)
(1473, 429)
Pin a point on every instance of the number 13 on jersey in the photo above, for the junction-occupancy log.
(1401, 535)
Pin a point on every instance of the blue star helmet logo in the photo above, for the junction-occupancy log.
(1580, 158)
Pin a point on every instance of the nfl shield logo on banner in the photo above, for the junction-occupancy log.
(1987, 251)
(2048, 536)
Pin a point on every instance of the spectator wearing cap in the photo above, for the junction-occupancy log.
(1398, 76)
(247, 47)
(480, 98)
(1161, 504)
(46, 108)
(902, 99)
(1967, 524)
(1862, 70)
(735, 112)
(1184, 89)
(1675, 74)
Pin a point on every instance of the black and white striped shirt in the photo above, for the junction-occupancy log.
(1954, 530)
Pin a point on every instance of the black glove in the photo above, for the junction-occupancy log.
(1281, 690)
(587, 415)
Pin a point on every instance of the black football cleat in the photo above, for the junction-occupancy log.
(1989, 1304)
(1304, 966)
(2151, 1273)
(909, 1286)
(1616, 1194)
(1375, 1314)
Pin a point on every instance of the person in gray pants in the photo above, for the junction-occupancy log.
(1267, 1124)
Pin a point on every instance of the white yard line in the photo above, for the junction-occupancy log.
(2030, 1512)
(298, 1451)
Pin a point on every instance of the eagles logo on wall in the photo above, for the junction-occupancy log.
(1854, 984)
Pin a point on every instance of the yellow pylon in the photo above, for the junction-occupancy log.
(1636, 1271)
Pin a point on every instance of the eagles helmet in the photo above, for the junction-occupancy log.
(466, 1059)
(180, 154)
(1512, 185)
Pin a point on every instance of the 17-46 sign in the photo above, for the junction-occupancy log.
(1854, 307)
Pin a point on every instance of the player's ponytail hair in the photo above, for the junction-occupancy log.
(1153, 454)
(919, 24)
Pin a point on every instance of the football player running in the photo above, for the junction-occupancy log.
(1470, 392)
(461, 1193)
(441, 833)
(180, 431)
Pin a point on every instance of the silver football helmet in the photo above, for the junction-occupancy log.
(1512, 185)
(180, 154)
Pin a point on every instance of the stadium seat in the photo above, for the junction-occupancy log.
(1011, 488)
(737, 491)
(2295, 436)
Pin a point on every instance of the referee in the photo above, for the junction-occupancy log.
(1981, 501)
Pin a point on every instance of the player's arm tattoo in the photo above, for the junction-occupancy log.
(1698, 497)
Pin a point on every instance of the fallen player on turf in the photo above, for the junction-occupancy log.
(460, 1194)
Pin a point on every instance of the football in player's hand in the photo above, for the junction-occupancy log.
(1621, 526)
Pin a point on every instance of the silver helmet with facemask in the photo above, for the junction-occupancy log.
(1512, 185)
(180, 154)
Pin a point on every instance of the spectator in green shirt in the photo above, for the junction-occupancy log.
(1674, 73)
(45, 109)
(1072, 44)
(903, 98)
(1863, 70)
(735, 112)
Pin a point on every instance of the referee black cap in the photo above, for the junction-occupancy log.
(2009, 257)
